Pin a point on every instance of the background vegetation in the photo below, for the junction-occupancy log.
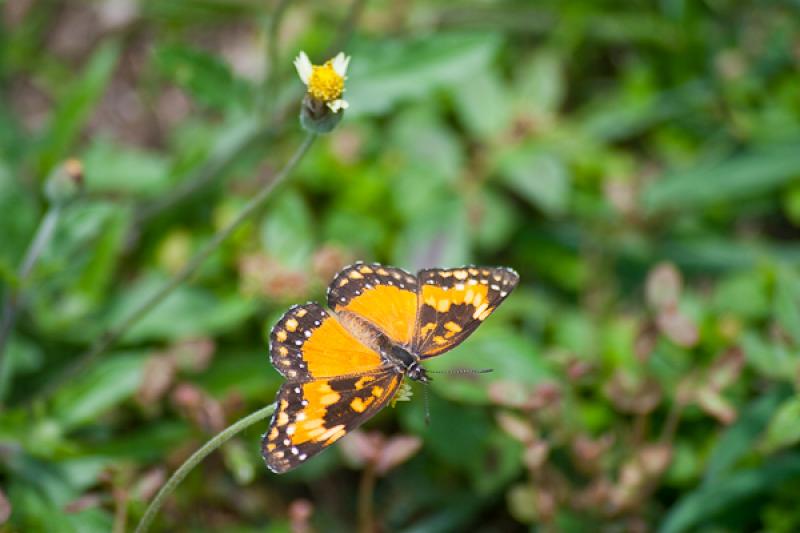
(637, 162)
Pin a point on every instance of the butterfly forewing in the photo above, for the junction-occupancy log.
(307, 343)
(453, 302)
(313, 415)
(384, 296)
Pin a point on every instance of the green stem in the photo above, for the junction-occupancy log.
(217, 164)
(366, 488)
(112, 336)
(218, 440)
(11, 304)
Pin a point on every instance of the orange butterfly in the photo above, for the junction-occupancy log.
(342, 368)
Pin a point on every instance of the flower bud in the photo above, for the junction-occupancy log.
(65, 182)
(317, 117)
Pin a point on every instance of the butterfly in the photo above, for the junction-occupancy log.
(343, 366)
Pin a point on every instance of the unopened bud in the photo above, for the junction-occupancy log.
(65, 182)
(317, 117)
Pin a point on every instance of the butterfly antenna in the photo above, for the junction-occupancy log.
(457, 371)
(427, 404)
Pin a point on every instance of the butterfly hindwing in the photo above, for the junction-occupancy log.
(307, 343)
(313, 415)
(453, 302)
(384, 296)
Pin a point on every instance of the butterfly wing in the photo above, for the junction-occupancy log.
(313, 415)
(307, 343)
(453, 302)
(386, 297)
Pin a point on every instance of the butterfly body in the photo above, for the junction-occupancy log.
(343, 367)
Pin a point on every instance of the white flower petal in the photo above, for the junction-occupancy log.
(303, 66)
(336, 105)
(340, 63)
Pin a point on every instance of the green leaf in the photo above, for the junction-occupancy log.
(430, 149)
(389, 72)
(737, 178)
(540, 86)
(456, 435)
(287, 231)
(206, 77)
(739, 439)
(787, 302)
(770, 359)
(744, 294)
(113, 168)
(438, 236)
(78, 266)
(186, 312)
(74, 108)
(483, 104)
(497, 218)
(17, 205)
(21, 357)
(249, 375)
(784, 428)
(538, 176)
(727, 493)
(104, 386)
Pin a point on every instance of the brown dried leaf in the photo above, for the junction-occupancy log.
(516, 427)
(663, 286)
(193, 355)
(712, 402)
(159, 372)
(328, 261)
(589, 453)
(509, 394)
(300, 512)
(87, 501)
(645, 341)
(205, 411)
(396, 451)
(545, 394)
(5, 508)
(536, 454)
(622, 195)
(726, 369)
(633, 394)
(655, 459)
(360, 447)
(149, 483)
(678, 328)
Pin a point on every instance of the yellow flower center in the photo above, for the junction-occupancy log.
(325, 84)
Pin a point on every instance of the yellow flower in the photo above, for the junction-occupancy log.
(325, 82)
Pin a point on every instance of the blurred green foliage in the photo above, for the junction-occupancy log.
(637, 162)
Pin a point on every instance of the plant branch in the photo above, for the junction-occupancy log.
(112, 336)
(176, 478)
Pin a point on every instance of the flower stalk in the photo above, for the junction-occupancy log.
(218, 440)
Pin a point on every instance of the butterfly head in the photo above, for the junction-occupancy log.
(416, 372)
